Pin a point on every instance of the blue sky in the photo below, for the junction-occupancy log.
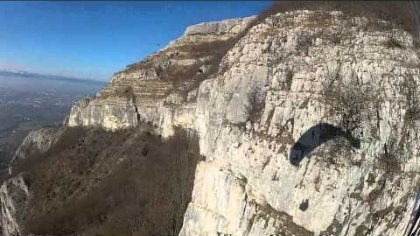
(96, 39)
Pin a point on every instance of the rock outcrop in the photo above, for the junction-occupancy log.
(234, 26)
(13, 197)
(37, 141)
(147, 91)
(252, 89)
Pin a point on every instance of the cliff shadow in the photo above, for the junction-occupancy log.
(316, 136)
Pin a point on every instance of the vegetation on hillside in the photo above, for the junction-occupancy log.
(128, 182)
(401, 13)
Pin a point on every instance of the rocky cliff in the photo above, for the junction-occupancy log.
(308, 122)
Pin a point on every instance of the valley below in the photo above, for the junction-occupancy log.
(28, 103)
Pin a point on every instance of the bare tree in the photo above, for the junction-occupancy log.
(352, 101)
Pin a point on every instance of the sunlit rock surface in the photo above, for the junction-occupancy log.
(13, 197)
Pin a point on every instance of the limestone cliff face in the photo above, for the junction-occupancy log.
(247, 169)
(255, 94)
(13, 197)
(149, 90)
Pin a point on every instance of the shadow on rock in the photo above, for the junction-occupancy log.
(314, 137)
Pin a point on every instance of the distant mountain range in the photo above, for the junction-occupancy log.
(32, 75)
